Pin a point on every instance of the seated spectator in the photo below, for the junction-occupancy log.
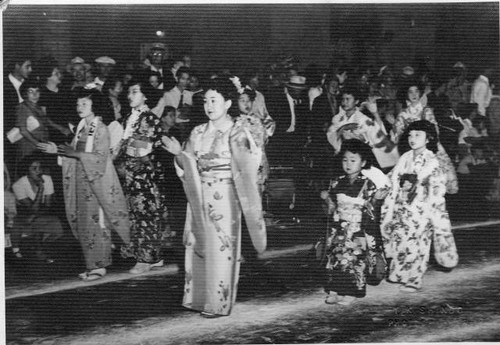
(12, 235)
(35, 217)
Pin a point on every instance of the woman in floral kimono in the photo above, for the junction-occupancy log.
(94, 200)
(219, 168)
(414, 213)
(413, 112)
(354, 245)
(140, 172)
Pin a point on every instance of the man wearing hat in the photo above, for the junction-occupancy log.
(78, 70)
(458, 87)
(289, 109)
(105, 66)
(155, 60)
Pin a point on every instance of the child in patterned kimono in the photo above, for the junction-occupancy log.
(354, 245)
(414, 213)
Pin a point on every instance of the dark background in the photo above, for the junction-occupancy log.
(233, 36)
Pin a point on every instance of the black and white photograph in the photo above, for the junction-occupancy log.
(255, 172)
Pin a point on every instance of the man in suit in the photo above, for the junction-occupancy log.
(288, 107)
(19, 70)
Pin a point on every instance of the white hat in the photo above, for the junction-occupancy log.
(459, 64)
(158, 46)
(297, 82)
(105, 59)
(77, 61)
(408, 70)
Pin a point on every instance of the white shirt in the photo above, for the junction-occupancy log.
(17, 84)
(291, 102)
(22, 188)
(172, 98)
(481, 94)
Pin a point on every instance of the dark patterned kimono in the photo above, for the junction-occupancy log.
(354, 246)
(140, 173)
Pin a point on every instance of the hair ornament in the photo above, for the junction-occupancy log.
(237, 83)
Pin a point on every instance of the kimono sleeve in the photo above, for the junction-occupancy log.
(94, 163)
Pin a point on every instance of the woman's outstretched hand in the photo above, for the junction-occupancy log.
(172, 145)
(48, 147)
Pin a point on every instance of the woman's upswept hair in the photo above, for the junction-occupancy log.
(430, 130)
(224, 86)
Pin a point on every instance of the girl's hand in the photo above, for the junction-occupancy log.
(48, 147)
(172, 145)
(68, 151)
(324, 194)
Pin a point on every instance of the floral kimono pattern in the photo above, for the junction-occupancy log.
(361, 127)
(219, 170)
(354, 246)
(146, 206)
(413, 215)
(94, 200)
(416, 113)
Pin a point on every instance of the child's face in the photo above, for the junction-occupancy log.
(84, 107)
(413, 94)
(352, 163)
(417, 140)
(153, 81)
(168, 119)
(348, 102)
(244, 104)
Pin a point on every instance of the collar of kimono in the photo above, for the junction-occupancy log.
(92, 126)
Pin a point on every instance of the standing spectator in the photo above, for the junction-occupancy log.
(32, 122)
(219, 168)
(178, 97)
(481, 91)
(19, 70)
(95, 204)
(139, 171)
(54, 100)
(414, 213)
(458, 87)
(105, 66)
(155, 61)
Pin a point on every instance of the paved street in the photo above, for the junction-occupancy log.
(280, 300)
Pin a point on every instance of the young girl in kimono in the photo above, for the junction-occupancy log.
(414, 213)
(219, 168)
(94, 200)
(353, 245)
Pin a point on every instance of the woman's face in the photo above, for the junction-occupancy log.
(135, 96)
(33, 94)
(244, 103)
(84, 107)
(417, 140)
(413, 94)
(333, 87)
(56, 75)
(216, 106)
(352, 163)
